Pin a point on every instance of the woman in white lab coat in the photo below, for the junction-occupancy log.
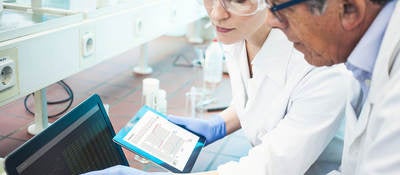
(288, 109)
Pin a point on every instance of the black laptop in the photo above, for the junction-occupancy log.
(79, 142)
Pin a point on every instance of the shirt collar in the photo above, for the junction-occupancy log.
(273, 57)
(365, 53)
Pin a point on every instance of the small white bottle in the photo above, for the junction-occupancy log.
(149, 89)
(161, 101)
(213, 66)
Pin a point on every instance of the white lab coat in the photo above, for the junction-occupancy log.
(293, 109)
(372, 142)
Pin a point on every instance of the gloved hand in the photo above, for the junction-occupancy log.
(212, 129)
(124, 170)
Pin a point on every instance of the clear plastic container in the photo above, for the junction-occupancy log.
(161, 101)
(213, 66)
(193, 104)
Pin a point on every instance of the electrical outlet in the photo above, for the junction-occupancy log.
(9, 80)
(88, 44)
(7, 73)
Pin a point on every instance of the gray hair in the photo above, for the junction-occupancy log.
(318, 6)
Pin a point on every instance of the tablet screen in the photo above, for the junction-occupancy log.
(155, 138)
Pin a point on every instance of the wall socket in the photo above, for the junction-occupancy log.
(9, 78)
(7, 73)
(88, 44)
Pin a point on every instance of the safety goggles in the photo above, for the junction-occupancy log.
(237, 7)
(249, 7)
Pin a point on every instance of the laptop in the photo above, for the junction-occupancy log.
(79, 142)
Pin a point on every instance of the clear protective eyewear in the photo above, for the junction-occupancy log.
(237, 7)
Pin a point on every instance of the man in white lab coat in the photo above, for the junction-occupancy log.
(365, 35)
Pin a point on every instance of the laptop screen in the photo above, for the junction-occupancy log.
(81, 141)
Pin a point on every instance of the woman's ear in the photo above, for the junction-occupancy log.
(352, 13)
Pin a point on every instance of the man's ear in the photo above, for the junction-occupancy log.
(352, 13)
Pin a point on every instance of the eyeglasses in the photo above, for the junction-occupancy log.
(250, 7)
(237, 7)
(276, 8)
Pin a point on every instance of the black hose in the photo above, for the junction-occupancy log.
(70, 98)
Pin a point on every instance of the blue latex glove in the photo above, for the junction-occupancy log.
(212, 129)
(124, 170)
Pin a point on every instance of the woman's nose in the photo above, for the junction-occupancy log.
(218, 11)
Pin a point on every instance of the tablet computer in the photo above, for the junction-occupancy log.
(150, 135)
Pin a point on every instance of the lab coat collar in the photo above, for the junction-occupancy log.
(365, 53)
(237, 51)
(272, 60)
(382, 68)
(232, 51)
(385, 58)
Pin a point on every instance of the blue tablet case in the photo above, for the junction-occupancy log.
(123, 136)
